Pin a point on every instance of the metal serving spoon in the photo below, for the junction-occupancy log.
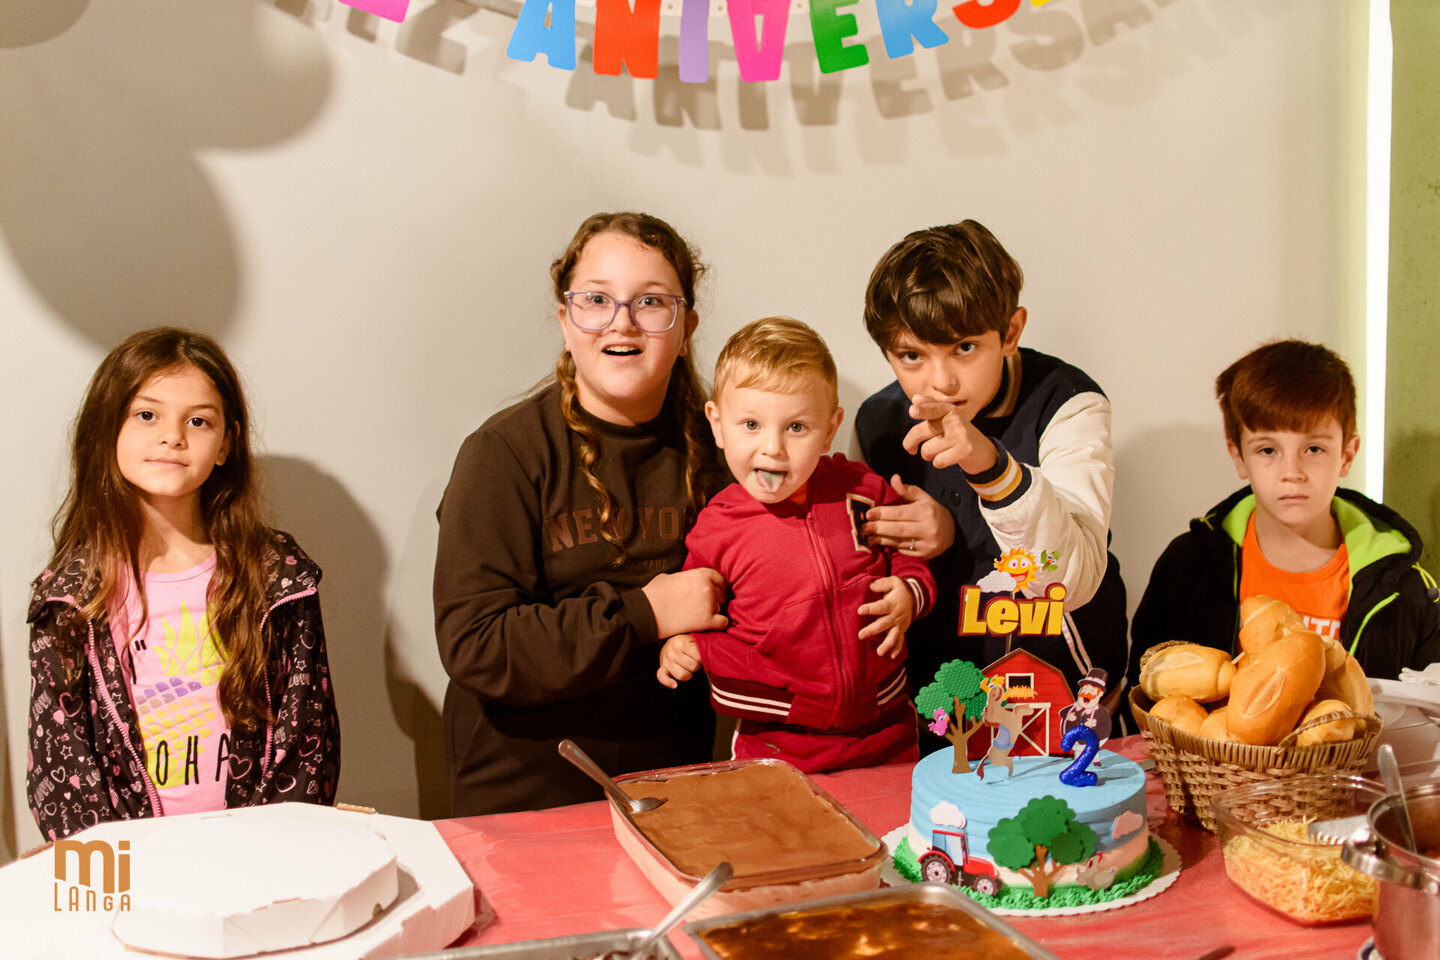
(591, 769)
(1390, 776)
(713, 881)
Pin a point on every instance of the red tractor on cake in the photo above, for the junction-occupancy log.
(948, 860)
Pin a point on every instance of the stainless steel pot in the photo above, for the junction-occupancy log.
(1407, 908)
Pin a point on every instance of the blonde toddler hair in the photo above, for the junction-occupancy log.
(778, 354)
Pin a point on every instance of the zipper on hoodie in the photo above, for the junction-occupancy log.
(93, 656)
(1355, 644)
(270, 721)
(845, 681)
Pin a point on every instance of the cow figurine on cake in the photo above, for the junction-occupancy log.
(1006, 719)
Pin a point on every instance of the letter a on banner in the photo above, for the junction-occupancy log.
(532, 35)
(759, 57)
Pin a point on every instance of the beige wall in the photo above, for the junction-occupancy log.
(1412, 407)
(364, 215)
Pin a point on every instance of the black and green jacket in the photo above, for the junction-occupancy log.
(1393, 618)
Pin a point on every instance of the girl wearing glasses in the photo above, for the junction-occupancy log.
(563, 519)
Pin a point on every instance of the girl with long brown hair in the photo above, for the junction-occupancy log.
(177, 651)
(560, 531)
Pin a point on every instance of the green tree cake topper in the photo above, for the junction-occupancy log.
(955, 696)
(1040, 839)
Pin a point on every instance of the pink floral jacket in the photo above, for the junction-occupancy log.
(84, 763)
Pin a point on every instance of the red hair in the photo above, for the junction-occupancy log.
(1286, 385)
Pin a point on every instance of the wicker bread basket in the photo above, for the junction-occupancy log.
(1194, 769)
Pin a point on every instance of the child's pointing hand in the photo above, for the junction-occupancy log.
(946, 437)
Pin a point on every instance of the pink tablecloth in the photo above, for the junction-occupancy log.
(551, 873)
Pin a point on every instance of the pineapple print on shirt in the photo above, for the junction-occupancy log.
(174, 664)
(178, 715)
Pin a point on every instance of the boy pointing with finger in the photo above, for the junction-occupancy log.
(1007, 447)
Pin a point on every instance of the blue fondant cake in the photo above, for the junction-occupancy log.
(952, 816)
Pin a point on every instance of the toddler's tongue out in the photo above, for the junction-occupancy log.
(769, 479)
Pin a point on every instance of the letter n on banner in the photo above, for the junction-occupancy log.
(631, 39)
(555, 39)
(759, 57)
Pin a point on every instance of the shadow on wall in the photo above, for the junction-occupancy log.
(1414, 488)
(1024, 58)
(104, 205)
(410, 652)
(1188, 459)
(24, 23)
(335, 530)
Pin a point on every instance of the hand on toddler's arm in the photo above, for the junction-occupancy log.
(687, 601)
(679, 659)
(946, 437)
(920, 527)
(892, 612)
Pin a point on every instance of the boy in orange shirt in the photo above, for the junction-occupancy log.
(1346, 564)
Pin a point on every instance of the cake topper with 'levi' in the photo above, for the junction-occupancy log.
(1039, 611)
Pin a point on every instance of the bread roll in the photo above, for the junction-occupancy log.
(1336, 731)
(1215, 726)
(1188, 670)
(1273, 688)
(1335, 655)
(1348, 683)
(1182, 713)
(1264, 620)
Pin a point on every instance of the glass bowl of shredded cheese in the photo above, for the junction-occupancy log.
(1264, 834)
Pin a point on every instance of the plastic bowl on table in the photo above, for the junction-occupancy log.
(1262, 829)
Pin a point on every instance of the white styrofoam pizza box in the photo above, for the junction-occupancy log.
(433, 902)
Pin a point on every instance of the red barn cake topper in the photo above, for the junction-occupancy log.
(954, 705)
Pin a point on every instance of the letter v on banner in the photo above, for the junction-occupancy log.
(759, 57)
(389, 9)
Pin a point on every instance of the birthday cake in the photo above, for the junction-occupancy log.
(1009, 815)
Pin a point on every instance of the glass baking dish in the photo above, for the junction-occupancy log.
(922, 921)
(742, 818)
(580, 946)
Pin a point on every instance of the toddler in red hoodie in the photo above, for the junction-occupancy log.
(812, 662)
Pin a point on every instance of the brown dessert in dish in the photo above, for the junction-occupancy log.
(762, 818)
(905, 930)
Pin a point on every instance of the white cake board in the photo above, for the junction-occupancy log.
(435, 905)
(1169, 872)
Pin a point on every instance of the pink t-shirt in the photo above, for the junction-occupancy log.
(173, 666)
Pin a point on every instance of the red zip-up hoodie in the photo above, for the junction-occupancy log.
(797, 576)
